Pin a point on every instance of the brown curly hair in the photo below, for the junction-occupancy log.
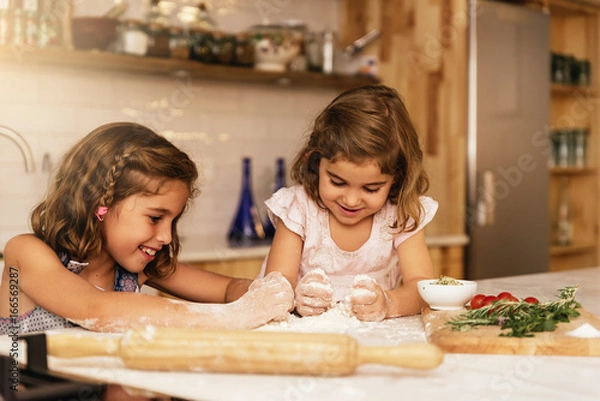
(369, 122)
(113, 162)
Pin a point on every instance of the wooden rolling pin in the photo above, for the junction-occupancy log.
(318, 354)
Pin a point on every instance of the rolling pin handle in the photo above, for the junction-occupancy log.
(412, 356)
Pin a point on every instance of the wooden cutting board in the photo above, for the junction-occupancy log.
(486, 339)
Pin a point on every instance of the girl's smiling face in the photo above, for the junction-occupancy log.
(353, 192)
(139, 226)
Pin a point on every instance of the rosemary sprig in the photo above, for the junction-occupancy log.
(522, 318)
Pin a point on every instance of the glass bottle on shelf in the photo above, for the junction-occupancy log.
(246, 228)
(18, 24)
(30, 10)
(157, 15)
(278, 183)
(5, 22)
(203, 19)
(564, 225)
(49, 26)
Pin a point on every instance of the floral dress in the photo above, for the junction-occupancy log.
(39, 319)
(376, 258)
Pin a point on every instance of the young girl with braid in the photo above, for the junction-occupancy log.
(107, 226)
(351, 229)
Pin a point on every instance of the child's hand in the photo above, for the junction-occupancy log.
(314, 293)
(368, 300)
(271, 297)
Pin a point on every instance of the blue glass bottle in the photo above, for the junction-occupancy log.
(279, 183)
(246, 228)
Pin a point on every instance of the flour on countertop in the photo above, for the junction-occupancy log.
(585, 331)
(341, 320)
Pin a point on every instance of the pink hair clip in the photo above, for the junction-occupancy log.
(101, 212)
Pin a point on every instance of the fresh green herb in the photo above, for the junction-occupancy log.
(522, 318)
(445, 280)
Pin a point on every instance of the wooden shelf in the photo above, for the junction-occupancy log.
(564, 250)
(565, 7)
(104, 61)
(572, 171)
(574, 27)
(571, 90)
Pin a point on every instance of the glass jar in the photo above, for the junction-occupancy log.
(244, 50)
(560, 147)
(584, 73)
(558, 68)
(314, 52)
(578, 149)
(223, 48)
(179, 43)
(201, 45)
(134, 39)
(158, 41)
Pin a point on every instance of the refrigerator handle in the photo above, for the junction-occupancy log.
(486, 204)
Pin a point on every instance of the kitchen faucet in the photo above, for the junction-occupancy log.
(23, 147)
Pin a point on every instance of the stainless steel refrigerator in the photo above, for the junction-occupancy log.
(507, 214)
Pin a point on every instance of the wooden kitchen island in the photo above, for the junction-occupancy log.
(460, 377)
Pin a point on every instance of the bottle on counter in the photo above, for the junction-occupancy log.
(564, 225)
(278, 183)
(246, 228)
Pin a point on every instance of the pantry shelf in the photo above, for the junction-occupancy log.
(560, 250)
(574, 90)
(558, 171)
(104, 61)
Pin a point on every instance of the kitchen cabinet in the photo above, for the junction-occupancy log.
(447, 260)
(575, 30)
(105, 61)
(240, 268)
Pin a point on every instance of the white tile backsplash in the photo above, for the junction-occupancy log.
(216, 123)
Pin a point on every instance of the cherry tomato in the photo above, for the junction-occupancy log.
(531, 300)
(488, 300)
(507, 296)
(476, 301)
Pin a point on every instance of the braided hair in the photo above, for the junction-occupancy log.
(112, 163)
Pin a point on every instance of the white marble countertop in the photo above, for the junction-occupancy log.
(207, 248)
(461, 377)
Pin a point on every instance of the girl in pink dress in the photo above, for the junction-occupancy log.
(351, 229)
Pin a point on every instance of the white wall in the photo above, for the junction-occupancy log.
(216, 123)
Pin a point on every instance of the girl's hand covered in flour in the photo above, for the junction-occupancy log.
(314, 293)
(270, 299)
(368, 300)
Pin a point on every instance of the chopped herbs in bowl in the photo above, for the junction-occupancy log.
(446, 293)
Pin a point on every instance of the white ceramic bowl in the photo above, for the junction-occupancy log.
(446, 297)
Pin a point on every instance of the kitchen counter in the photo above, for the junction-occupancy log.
(206, 248)
(461, 377)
